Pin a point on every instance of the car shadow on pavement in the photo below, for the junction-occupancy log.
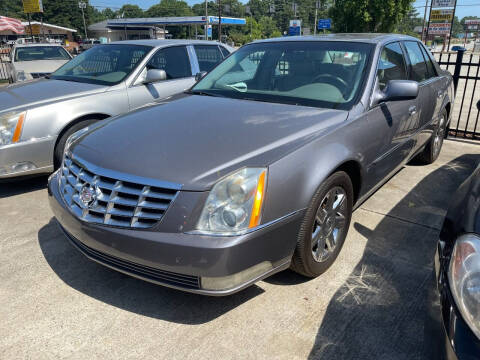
(388, 307)
(20, 186)
(129, 293)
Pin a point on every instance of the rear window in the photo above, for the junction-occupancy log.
(35, 53)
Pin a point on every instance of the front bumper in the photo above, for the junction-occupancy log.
(204, 264)
(27, 158)
(460, 343)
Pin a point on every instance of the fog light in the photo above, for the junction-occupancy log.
(16, 168)
(232, 281)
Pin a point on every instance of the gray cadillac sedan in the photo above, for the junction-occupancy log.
(258, 167)
(37, 116)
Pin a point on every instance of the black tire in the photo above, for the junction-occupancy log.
(303, 260)
(434, 145)
(60, 147)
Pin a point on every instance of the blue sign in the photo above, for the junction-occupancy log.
(294, 31)
(324, 24)
(209, 31)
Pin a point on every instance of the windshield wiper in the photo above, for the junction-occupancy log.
(202, 93)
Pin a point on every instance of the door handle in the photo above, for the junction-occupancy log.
(412, 110)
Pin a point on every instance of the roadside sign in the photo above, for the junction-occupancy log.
(209, 31)
(443, 3)
(439, 28)
(442, 15)
(324, 24)
(32, 6)
(295, 26)
(472, 22)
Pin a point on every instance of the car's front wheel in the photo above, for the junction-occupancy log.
(60, 147)
(434, 146)
(325, 226)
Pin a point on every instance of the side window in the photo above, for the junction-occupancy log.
(208, 56)
(174, 60)
(428, 61)
(224, 51)
(391, 65)
(419, 68)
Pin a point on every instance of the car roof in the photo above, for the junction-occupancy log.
(36, 44)
(353, 37)
(162, 43)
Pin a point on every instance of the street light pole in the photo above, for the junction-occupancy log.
(206, 20)
(220, 20)
(82, 5)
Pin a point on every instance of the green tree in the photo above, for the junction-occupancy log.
(409, 22)
(131, 11)
(368, 15)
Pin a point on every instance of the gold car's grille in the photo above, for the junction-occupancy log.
(104, 200)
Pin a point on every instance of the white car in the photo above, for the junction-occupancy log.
(32, 61)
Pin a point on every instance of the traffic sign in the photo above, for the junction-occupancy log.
(324, 24)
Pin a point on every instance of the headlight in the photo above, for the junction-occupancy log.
(464, 279)
(11, 126)
(235, 203)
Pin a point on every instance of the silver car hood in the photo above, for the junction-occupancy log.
(198, 139)
(29, 94)
(39, 66)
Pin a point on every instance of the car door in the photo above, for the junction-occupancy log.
(419, 72)
(176, 62)
(392, 122)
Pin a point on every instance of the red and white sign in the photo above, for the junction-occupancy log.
(439, 28)
(11, 24)
(472, 22)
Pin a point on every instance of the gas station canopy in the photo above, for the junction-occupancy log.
(179, 20)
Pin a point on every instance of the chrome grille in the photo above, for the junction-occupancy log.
(115, 202)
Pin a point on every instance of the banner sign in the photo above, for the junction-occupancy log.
(32, 6)
(442, 15)
(439, 29)
(443, 3)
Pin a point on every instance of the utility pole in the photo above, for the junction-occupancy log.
(424, 22)
(220, 20)
(451, 25)
(83, 5)
(429, 19)
(317, 5)
(206, 19)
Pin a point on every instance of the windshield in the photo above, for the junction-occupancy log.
(103, 64)
(321, 74)
(33, 53)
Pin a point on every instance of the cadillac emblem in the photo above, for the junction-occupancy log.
(88, 195)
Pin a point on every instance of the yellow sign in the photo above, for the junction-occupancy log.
(32, 6)
(441, 15)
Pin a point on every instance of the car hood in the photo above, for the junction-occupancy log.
(40, 66)
(33, 93)
(196, 140)
(463, 215)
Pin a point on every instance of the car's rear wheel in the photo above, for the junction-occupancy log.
(60, 147)
(434, 146)
(325, 226)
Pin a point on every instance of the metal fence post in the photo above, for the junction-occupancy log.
(458, 67)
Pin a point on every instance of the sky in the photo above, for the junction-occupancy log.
(465, 7)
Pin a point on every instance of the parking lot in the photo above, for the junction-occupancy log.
(374, 302)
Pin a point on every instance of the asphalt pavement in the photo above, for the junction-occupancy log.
(376, 302)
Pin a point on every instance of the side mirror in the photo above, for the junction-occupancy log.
(154, 75)
(397, 90)
(200, 75)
